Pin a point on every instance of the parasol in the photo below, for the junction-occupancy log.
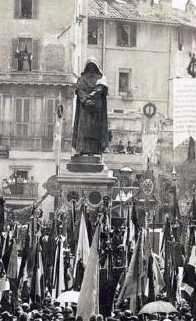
(68, 296)
(158, 307)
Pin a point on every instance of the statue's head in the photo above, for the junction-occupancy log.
(92, 66)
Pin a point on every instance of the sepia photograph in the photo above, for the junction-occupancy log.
(97, 160)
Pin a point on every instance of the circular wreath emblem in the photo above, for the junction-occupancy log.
(149, 110)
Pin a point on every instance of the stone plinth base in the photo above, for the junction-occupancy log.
(86, 164)
(91, 186)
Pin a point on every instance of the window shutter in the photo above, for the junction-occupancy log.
(133, 35)
(18, 110)
(50, 111)
(14, 59)
(35, 8)
(118, 34)
(26, 110)
(180, 39)
(36, 52)
(17, 9)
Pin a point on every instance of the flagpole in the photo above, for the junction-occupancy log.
(153, 228)
(58, 116)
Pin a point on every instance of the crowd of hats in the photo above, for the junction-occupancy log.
(47, 311)
(52, 310)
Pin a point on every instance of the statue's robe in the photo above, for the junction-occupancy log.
(90, 135)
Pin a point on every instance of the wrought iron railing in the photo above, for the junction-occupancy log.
(27, 190)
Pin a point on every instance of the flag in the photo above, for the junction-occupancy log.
(25, 254)
(58, 133)
(108, 283)
(82, 254)
(176, 210)
(129, 237)
(191, 149)
(166, 253)
(59, 269)
(88, 226)
(193, 209)
(149, 143)
(190, 268)
(135, 221)
(6, 252)
(189, 280)
(51, 250)
(2, 218)
(183, 112)
(150, 287)
(37, 282)
(159, 283)
(89, 294)
(72, 228)
(12, 269)
(132, 287)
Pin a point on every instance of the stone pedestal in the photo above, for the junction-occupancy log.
(84, 177)
(85, 164)
(92, 186)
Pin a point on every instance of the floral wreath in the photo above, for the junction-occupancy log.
(149, 110)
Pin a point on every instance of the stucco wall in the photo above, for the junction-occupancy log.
(51, 21)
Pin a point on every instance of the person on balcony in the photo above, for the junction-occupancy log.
(24, 57)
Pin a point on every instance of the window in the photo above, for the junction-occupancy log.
(22, 116)
(123, 82)
(118, 111)
(22, 175)
(126, 35)
(25, 54)
(92, 32)
(26, 9)
(49, 119)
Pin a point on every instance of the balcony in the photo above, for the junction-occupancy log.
(37, 78)
(19, 190)
(32, 136)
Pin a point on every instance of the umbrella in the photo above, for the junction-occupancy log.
(158, 307)
(68, 296)
(126, 169)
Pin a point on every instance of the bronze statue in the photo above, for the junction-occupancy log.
(90, 134)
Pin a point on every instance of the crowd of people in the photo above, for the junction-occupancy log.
(122, 148)
(51, 309)
(125, 260)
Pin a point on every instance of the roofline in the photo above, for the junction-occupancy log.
(176, 24)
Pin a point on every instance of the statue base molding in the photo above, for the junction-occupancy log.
(85, 164)
(92, 186)
(90, 181)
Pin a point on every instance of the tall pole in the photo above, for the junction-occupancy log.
(57, 139)
(153, 228)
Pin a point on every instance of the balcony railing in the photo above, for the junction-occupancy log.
(20, 190)
(31, 136)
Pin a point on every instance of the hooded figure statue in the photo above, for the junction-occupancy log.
(90, 134)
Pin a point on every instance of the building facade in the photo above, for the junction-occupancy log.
(36, 75)
(142, 47)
